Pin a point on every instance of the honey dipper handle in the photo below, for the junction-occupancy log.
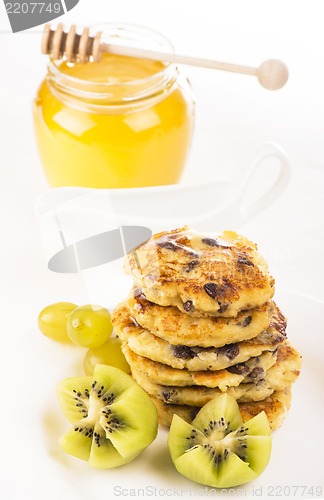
(178, 59)
(272, 74)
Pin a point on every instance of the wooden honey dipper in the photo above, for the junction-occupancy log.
(272, 74)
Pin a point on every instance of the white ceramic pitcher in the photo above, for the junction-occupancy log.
(88, 223)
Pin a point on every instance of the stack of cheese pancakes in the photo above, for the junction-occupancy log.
(201, 320)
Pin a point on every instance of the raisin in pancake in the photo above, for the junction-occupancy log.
(195, 358)
(280, 376)
(252, 370)
(275, 406)
(177, 327)
(201, 274)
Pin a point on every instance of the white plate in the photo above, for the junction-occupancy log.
(35, 467)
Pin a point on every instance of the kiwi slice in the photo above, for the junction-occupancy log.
(218, 449)
(113, 418)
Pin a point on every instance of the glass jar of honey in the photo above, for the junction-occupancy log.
(121, 122)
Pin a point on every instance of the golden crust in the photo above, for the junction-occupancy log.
(275, 406)
(201, 274)
(287, 368)
(252, 370)
(177, 327)
(195, 358)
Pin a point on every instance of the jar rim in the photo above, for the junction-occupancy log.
(116, 29)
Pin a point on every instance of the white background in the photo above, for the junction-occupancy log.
(234, 115)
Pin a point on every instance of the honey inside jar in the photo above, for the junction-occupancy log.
(122, 122)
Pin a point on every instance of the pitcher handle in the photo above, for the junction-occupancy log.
(269, 150)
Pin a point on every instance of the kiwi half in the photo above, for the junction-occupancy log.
(218, 449)
(113, 418)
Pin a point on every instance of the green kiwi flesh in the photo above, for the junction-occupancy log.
(217, 449)
(113, 418)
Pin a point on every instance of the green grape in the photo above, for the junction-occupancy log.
(52, 320)
(89, 326)
(108, 354)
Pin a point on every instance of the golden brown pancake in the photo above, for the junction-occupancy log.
(281, 375)
(195, 395)
(195, 358)
(201, 274)
(252, 370)
(275, 406)
(177, 328)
